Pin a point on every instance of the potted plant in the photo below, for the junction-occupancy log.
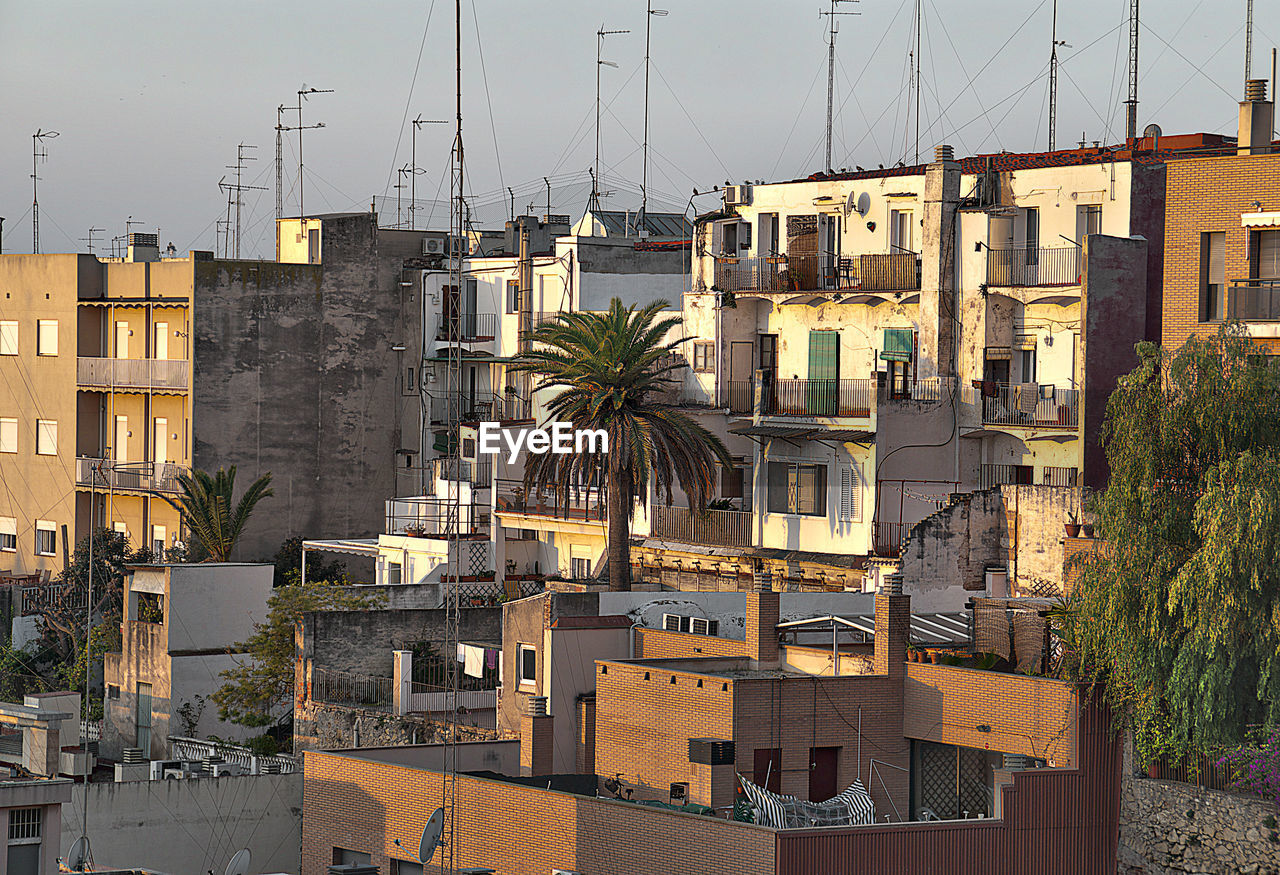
(1086, 529)
(1072, 525)
(414, 530)
(913, 653)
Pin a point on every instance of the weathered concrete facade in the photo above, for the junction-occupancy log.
(321, 726)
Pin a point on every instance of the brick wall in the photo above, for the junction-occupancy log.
(1208, 194)
(762, 627)
(516, 830)
(586, 747)
(1031, 716)
(661, 644)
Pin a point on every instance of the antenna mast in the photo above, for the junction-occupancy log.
(832, 29)
(919, 27)
(1131, 105)
(38, 153)
(1053, 79)
(595, 177)
(239, 187)
(89, 239)
(302, 94)
(641, 222)
(1248, 43)
(280, 128)
(414, 171)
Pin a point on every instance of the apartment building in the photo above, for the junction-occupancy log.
(119, 374)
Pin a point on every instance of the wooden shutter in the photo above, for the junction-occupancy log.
(850, 494)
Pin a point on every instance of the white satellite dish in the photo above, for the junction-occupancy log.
(239, 864)
(78, 856)
(857, 203)
(431, 836)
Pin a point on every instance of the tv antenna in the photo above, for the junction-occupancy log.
(1053, 78)
(89, 239)
(641, 221)
(1248, 44)
(833, 27)
(39, 152)
(235, 189)
(399, 186)
(594, 203)
(239, 863)
(414, 171)
(303, 93)
(1131, 105)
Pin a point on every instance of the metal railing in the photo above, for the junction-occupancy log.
(1031, 405)
(725, 528)
(427, 699)
(928, 389)
(356, 691)
(140, 476)
(430, 517)
(1033, 266)
(477, 473)
(739, 396)
(818, 398)
(1006, 475)
(466, 327)
(751, 274)
(1056, 476)
(480, 407)
(1254, 300)
(42, 596)
(892, 271)
(109, 373)
(586, 503)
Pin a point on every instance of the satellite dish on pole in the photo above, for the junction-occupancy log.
(431, 836)
(857, 203)
(78, 856)
(239, 864)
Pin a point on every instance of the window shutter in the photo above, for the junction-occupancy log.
(898, 344)
(850, 494)
(824, 351)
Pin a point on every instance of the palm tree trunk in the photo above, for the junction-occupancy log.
(619, 528)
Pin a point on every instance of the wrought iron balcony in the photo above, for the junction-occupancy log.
(725, 528)
(1029, 405)
(480, 407)
(478, 474)
(586, 503)
(166, 375)
(894, 271)
(437, 517)
(466, 327)
(852, 398)
(1033, 266)
(106, 474)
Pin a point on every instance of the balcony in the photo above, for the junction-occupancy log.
(1254, 300)
(466, 327)
(851, 398)
(724, 528)
(432, 517)
(154, 375)
(1029, 406)
(478, 474)
(586, 504)
(1033, 266)
(895, 271)
(480, 407)
(107, 474)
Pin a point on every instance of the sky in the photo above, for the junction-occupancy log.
(151, 99)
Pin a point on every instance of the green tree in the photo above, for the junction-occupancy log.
(63, 608)
(258, 689)
(615, 371)
(288, 563)
(1179, 614)
(205, 506)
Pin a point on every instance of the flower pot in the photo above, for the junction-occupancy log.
(1073, 529)
(1087, 529)
(1153, 769)
(935, 657)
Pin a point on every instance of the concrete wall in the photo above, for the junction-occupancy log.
(360, 642)
(214, 605)
(191, 826)
(571, 674)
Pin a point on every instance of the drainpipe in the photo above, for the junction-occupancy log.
(631, 638)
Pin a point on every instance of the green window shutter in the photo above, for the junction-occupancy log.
(824, 355)
(899, 344)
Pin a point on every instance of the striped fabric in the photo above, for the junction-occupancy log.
(851, 807)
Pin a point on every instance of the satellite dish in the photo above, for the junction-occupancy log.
(78, 856)
(1152, 130)
(431, 836)
(239, 864)
(859, 203)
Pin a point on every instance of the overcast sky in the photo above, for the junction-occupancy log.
(151, 99)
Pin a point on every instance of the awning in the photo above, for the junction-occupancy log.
(442, 356)
(134, 302)
(842, 436)
(794, 432)
(350, 546)
(805, 433)
(1259, 220)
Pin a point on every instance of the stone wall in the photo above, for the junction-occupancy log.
(1171, 827)
(320, 726)
(360, 642)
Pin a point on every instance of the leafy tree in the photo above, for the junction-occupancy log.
(63, 610)
(288, 563)
(259, 687)
(614, 370)
(1179, 614)
(205, 506)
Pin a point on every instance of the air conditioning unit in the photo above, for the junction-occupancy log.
(699, 626)
(160, 767)
(227, 770)
(433, 246)
(180, 775)
(671, 622)
(737, 195)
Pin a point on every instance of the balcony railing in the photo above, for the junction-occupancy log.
(479, 474)
(436, 517)
(1033, 266)
(725, 528)
(818, 398)
(1030, 405)
(153, 374)
(585, 503)
(929, 389)
(739, 396)
(466, 327)
(894, 271)
(108, 474)
(480, 407)
(1254, 300)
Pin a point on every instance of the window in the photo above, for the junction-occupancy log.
(513, 296)
(8, 534)
(120, 529)
(46, 538)
(729, 238)
(767, 238)
(1027, 361)
(1033, 235)
(1213, 275)
(901, 231)
(47, 337)
(581, 568)
(395, 574)
(142, 712)
(692, 625)
(410, 386)
(797, 488)
(404, 867)
(8, 435)
(704, 357)
(24, 824)
(157, 543)
(1264, 254)
(8, 338)
(527, 664)
(46, 437)
(113, 691)
(161, 350)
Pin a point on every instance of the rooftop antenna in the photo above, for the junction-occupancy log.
(414, 171)
(1248, 43)
(399, 186)
(919, 27)
(302, 95)
(89, 239)
(600, 62)
(1131, 105)
(1053, 79)
(547, 218)
(644, 171)
(513, 203)
(129, 222)
(833, 27)
(237, 187)
(38, 153)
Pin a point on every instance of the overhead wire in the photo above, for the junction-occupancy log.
(413, 82)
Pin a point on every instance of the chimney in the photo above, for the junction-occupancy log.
(762, 628)
(1257, 115)
(893, 627)
(144, 247)
(938, 265)
(537, 743)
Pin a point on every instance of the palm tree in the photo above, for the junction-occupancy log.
(206, 509)
(613, 370)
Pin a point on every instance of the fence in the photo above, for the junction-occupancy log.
(726, 528)
(1254, 300)
(477, 473)
(430, 698)
(197, 749)
(140, 476)
(110, 373)
(356, 691)
(40, 597)
(583, 503)
(466, 327)
(1033, 266)
(429, 517)
(1030, 405)
(818, 397)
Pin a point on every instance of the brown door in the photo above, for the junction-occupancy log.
(822, 773)
(767, 771)
(802, 252)
(769, 370)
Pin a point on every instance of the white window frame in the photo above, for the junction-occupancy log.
(521, 680)
(47, 337)
(8, 534)
(8, 435)
(8, 337)
(46, 437)
(158, 535)
(704, 357)
(52, 529)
